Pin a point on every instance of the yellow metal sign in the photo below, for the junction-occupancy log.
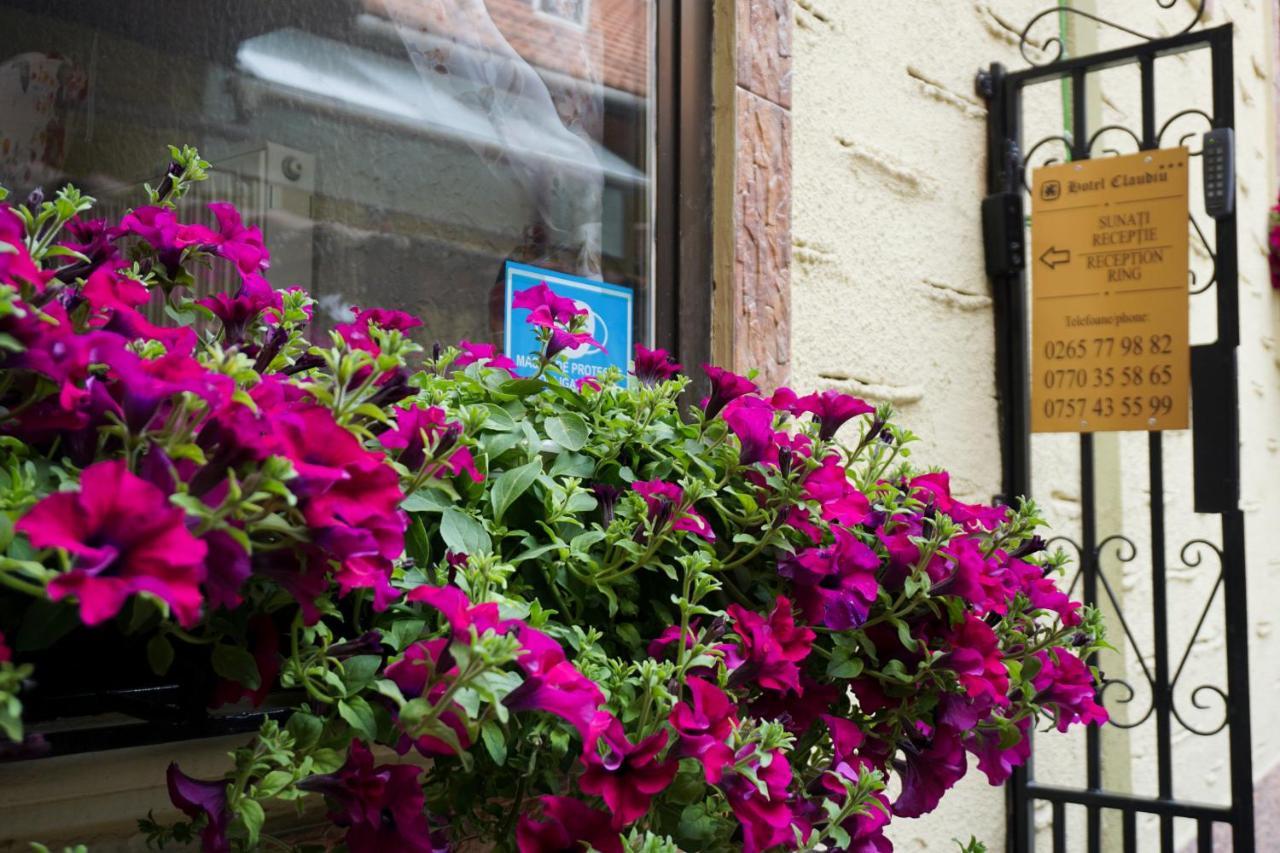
(1109, 326)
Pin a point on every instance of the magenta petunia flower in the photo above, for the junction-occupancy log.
(426, 670)
(840, 501)
(16, 265)
(834, 585)
(764, 812)
(567, 826)
(322, 451)
(453, 604)
(357, 333)
(783, 399)
(866, 831)
(977, 662)
(654, 365)
(6, 654)
(626, 776)
(725, 388)
(669, 636)
(56, 351)
(563, 692)
(1065, 686)
(93, 238)
(751, 420)
(131, 325)
(797, 711)
(106, 290)
(197, 798)
(382, 807)
(1043, 593)
(768, 650)
(144, 385)
(238, 312)
(704, 725)
(581, 385)
(666, 504)
(486, 355)
(831, 410)
(935, 488)
(239, 243)
(963, 568)
(420, 431)
(933, 763)
(997, 761)
(127, 539)
(227, 567)
(545, 308)
(160, 227)
(562, 339)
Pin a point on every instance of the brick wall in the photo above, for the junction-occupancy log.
(761, 303)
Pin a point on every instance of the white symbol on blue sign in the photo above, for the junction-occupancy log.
(609, 321)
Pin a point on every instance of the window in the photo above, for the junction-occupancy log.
(395, 152)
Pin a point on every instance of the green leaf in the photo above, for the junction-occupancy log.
(236, 664)
(498, 419)
(851, 668)
(358, 671)
(426, 500)
(568, 430)
(463, 534)
(159, 654)
(416, 543)
(274, 782)
(570, 464)
(495, 741)
(305, 728)
(510, 485)
(11, 719)
(359, 716)
(403, 632)
(253, 817)
(327, 760)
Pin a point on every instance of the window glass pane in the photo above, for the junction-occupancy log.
(395, 152)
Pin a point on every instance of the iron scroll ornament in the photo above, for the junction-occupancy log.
(1123, 692)
(1054, 43)
(1125, 551)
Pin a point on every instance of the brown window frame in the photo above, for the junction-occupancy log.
(683, 194)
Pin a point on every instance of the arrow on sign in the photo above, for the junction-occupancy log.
(1052, 257)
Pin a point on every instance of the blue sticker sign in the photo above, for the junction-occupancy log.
(609, 321)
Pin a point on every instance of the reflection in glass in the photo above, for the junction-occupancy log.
(395, 152)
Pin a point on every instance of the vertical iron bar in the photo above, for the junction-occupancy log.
(1089, 569)
(1204, 836)
(1147, 69)
(1130, 831)
(1235, 609)
(1088, 502)
(1059, 827)
(1079, 121)
(1004, 174)
(1235, 600)
(1160, 639)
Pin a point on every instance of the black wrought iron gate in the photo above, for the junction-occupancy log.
(1215, 454)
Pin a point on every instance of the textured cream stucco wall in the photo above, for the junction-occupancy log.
(890, 301)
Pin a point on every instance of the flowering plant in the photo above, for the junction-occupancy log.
(584, 617)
